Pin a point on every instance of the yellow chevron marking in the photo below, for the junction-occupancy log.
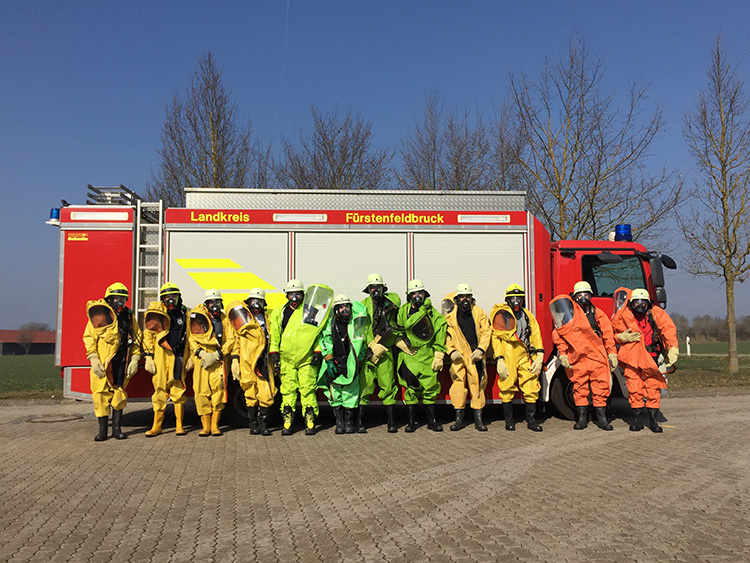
(205, 263)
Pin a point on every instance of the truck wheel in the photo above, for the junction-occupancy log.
(561, 395)
(235, 411)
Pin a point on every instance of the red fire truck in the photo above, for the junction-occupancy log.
(234, 240)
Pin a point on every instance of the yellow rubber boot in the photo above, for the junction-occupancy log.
(215, 416)
(206, 421)
(179, 413)
(156, 427)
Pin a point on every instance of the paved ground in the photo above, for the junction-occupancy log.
(561, 495)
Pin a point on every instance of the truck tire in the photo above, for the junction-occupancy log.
(235, 411)
(561, 395)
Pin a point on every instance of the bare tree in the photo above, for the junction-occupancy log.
(26, 335)
(203, 142)
(717, 228)
(338, 155)
(584, 160)
(447, 151)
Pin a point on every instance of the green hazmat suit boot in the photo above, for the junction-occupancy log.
(601, 418)
(263, 428)
(310, 422)
(411, 413)
(432, 423)
(252, 413)
(459, 424)
(391, 417)
(102, 435)
(531, 422)
(478, 422)
(349, 415)
(339, 415)
(582, 420)
(360, 427)
(288, 417)
(116, 430)
(653, 424)
(637, 425)
(508, 415)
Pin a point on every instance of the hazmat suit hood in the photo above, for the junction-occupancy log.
(306, 323)
(573, 327)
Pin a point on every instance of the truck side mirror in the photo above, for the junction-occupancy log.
(668, 262)
(657, 273)
(661, 297)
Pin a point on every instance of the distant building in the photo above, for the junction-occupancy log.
(19, 342)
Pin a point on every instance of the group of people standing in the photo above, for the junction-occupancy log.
(318, 340)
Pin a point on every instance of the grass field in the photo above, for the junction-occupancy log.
(33, 376)
(714, 348)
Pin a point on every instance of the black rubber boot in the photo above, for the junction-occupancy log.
(389, 413)
(478, 422)
(103, 427)
(411, 413)
(601, 418)
(252, 412)
(358, 424)
(431, 422)
(637, 425)
(508, 415)
(531, 422)
(338, 413)
(583, 418)
(349, 415)
(653, 424)
(288, 417)
(310, 422)
(117, 432)
(459, 424)
(263, 428)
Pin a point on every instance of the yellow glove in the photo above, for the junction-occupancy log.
(502, 369)
(672, 354)
(236, 369)
(536, 365)
(378, 351)
(96, 365)
(477, 355)
(404, 347)
(612, 360)
(437, 361)
(628, 336)
(209, 360)
(132, 368)
(150, 365)
(564, 361)
(189, 364)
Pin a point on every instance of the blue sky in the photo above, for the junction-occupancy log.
(84, 85)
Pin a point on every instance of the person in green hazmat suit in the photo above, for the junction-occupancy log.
(381, 336)
(297, 353)
(165, 332)
(425, 331)
(343, 348)
(112, 339)
(211, 343)
(250, 358)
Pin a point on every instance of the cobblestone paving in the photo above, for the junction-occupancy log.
(560, 495)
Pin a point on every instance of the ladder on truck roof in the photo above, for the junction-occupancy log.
(149, 228)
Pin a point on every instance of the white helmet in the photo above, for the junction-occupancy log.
(342, 300)
(582, 286)
(211, 294)
(640, 293)
(463, 289)
(375, 279)
(294, 285)
(257, 293)
(416, 285)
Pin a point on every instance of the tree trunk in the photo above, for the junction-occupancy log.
(734, 367)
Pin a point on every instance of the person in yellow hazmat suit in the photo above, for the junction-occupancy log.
(519, 352)
(299, 356)
(165, 332)
(211, 343)
(468, 340)
(250, 358)
(112, 339)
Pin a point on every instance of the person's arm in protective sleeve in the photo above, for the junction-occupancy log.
(441, 331)
(484, 330)
(230, 337)
(608, 335)
(149, 342)
(274, 329)
(90, 339)
(562, 347)
(325, 342)
(135, 335)
(666, 326)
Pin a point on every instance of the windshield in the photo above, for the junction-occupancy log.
(605, 279)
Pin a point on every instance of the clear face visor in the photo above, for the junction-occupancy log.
(515, 302)
(417, 298)
(639, 306)
(343, 311)
(583, 298)
(376, 291)
(198, 324)
(446, 306)
(317, 302)
(214, 306)
(562, 311)
(100, 316)
(620, 298)
(359, 326)
(155, 322)
(170, 300)
(117, 302)
(256, 305)
(295, 298)
(239, 317)
(504, 321)
(464, 302)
